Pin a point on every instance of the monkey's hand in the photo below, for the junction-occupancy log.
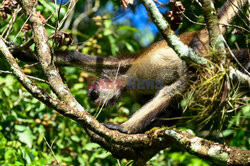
(118, 127)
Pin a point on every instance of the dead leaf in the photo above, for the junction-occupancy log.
(125, 3)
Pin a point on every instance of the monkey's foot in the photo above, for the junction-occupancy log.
(118, 127)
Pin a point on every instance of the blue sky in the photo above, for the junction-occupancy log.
(139, 19)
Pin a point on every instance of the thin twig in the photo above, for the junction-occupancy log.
(21, 28)
(56, 30)
(232, 54)
(159, 2)
(31, 77)
(12, 21)
(50, 147)
(34, 64)
(192, 20)
(236, 26)
(239, 9)
(20, 92)
(68, 16)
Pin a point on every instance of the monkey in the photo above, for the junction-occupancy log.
(157, 62)
(161, 68)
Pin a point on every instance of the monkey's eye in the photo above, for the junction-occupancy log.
(94, 94)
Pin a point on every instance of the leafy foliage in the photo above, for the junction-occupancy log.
(33, 134)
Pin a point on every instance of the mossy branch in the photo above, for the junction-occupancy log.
(215, 36)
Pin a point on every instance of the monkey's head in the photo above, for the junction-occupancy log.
(105, 92)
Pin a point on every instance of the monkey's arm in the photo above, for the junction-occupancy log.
(145, 115)
(91, 63)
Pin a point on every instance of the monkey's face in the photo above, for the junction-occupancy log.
(104, 95)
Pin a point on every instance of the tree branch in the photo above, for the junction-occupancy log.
(183, 51)
(215, 36)
(218, 153)
(44, 55)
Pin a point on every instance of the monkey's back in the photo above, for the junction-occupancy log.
(157, 62)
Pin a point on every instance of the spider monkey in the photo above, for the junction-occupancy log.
(157, 67)
(159, 63)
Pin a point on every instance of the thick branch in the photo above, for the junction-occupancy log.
(221, 154)
(44, 55)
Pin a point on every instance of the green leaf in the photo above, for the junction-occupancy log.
(3, 141)
(9, 154)
(107, 23)
(25, 135)
(91, 146)
(14, 144)
(246, 110)
(75, 138)
(128, 28)
(47, 6)
(26, 154)
(226, 133)
(233, 38)
(107, 32)
(129, 47)
(113, 46)
(102, 155)
(184, 103)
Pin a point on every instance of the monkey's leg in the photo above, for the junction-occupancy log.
(145, 115)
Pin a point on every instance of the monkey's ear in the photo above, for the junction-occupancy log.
(118, 127)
